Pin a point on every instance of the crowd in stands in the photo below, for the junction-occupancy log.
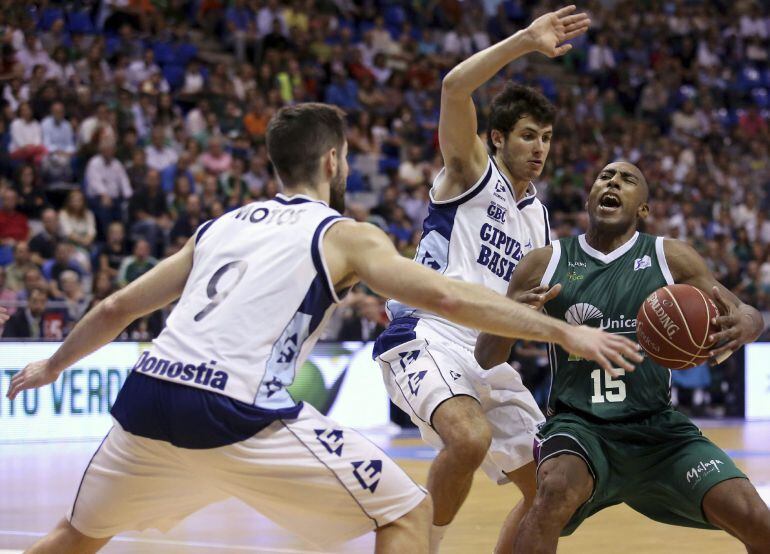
(127, 123)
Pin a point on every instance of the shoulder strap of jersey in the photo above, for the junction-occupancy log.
(552, 264)
(661, 255)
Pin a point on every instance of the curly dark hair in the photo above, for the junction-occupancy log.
(513, 103)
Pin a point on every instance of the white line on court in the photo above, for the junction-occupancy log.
(197, 544)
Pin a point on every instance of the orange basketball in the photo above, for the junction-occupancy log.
(673, 326)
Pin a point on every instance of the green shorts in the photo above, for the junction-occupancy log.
(661, 466)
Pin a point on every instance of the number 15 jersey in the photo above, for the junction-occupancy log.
(254, 305)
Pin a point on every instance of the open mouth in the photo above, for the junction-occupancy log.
(609, 202)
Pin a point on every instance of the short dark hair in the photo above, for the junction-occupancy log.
(513, 103)
(297, 137)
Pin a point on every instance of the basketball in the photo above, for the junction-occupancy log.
(673, 325)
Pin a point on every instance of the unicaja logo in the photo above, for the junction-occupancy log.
(580, 313)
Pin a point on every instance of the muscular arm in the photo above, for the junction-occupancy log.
(741, 323)
(492, 350)
(465, 155)
(356, 251)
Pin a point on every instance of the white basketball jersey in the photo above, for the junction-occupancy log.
(478, 237)
(256, 300)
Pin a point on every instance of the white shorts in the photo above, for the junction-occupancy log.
(422, 373)
(324, 482)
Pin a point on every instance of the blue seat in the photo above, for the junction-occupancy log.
(48, 17)
(760, 97)
(174, 75)
(356, 182)
(388, 164)
(6, 255)
(184, 52)
(164, 53)
(80, 22)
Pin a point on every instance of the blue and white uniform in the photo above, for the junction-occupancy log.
(208, 401)
(478, 237)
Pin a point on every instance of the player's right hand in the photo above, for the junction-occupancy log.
(610, 351)
(549, 31)
(35, 375)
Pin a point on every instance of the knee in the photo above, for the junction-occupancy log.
(557, 494)
(469, 444)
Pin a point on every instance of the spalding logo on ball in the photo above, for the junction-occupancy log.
(673, 326)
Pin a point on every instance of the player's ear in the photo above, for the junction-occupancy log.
(643, 211)
(330, 162)
(498, 138)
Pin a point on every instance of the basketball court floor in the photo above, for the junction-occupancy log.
(38, 481)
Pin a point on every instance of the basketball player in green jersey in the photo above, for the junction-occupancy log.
(615, 438)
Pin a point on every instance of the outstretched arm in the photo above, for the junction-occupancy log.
(739, 323)
(153, 290)
(492, 350)
(465, 155)
(356, 251)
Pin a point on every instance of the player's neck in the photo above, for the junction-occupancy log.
(306, 190)
(606, 242)
(519, 187)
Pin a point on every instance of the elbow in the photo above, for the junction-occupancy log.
(114, 308)
(447, 305)
(450, 86)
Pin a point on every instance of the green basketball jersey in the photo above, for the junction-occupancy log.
(605, 290)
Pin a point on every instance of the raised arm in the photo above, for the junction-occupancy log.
(359, 251)
(465, 155)
(739, 323)
(153, 290)
(492, 350)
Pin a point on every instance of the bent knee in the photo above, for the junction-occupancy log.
(557, 489)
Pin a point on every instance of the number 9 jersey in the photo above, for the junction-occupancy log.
(255, 303)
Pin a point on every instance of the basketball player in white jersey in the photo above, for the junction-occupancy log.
(483, 218)
(205, 413)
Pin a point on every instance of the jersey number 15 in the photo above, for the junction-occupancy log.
(614, 390)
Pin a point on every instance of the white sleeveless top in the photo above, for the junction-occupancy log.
(255, 303)
(477, 237)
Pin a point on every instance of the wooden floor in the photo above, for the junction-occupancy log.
(38, 481)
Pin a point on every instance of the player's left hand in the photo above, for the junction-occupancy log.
(537, 297)
(4, 315)
(733, 328)
(549, 31)
(33, 376)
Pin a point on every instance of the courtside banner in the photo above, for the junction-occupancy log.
(340, 380)
(758, 381)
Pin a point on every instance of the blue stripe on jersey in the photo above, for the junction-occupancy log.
(286, 201)
(315, 252)
(468, 195)
(202, 229)
(526, 202)
(547, 227)
(282, 364)
(399, 331)
(189, 417)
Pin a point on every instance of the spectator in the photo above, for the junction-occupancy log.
(148, 212)
(111, 254)
(27, 323)
(107, 185)
(367, 323)
(136, 265)
(63, 260)
(7, 296)
(77, 222)
(43, 245)
(188, 221)
(32, 197)
(13, 224)
(215, 159)
(75, 299)
(59, 142)
(26, 137)
(158, 154)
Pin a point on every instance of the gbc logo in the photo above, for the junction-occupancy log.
(496, 212)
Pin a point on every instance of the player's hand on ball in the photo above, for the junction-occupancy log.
(33, 376)
(732, 328)
(537, 297)
(549, 31)
(610, 351)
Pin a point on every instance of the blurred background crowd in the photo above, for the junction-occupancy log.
(125, 124)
